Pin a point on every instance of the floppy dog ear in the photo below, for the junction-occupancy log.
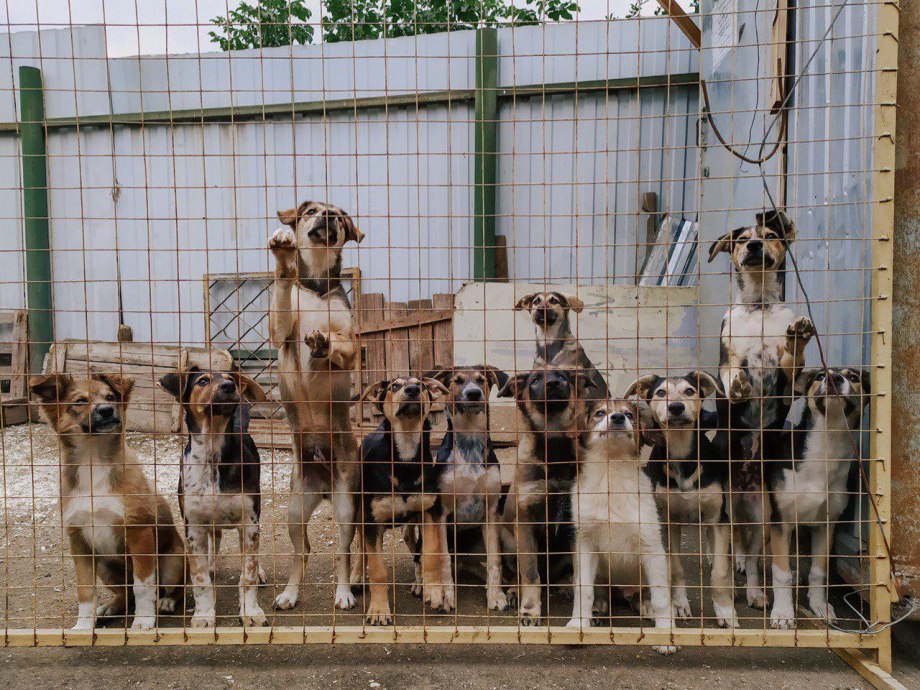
(175, 383)
(573, 303)
(288, 217)
(376, 391)
(704, 382)
(866, 379)
(435, 387)
(649, 431)
(249, 389)
(351, 230)
(524, 303)
(514, 386)
(122, 385)
(50, 388)
(496, 376)
(803, 381)
(442, 374)
(779, 222)
(641, 386)
(724, 243)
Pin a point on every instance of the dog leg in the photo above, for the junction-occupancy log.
(251, 614)
(202, 588)
(495, 597)
(344, 508)
(678, 578)
(655, 567)
(300, 510)
(433, 591)
(782, 616)
(447, 578)
(339, 348)
(821, 539)
(359, 563)
(528, 574)
(413, 543)
(723, 602)
(378, 611)
(798, 335)
(586, 563)
(116, 607)
(141, 544)
(86, 584)
(214, 550)
(281, 314)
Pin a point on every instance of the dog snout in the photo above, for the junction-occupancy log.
(755, 246)
(412, 390)
(556, 387)
(227, 387)
(104, 412)
(676, 408)
(617, 419)
(473, 394)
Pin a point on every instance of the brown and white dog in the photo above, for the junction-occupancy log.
(311, 324)
(119, 528)
(762, 348)
(555, 342)
(219, 483)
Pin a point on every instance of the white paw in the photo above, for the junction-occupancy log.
(379, 616)
(741, 388)
(496, 599)
(666, 650)
(579, 623)
(166, 605)
(823, 610)
(740, 564)
(84, 624)
(682, 606)
(283, 239)
(725, 615)
(802, 328)
(286, 600)
(344, 599)
(756, 598)
(106, 610)
(263, 578)
(450, 597)
(416, 589)
(144, 623)
(253, 617)
(204, 619)
(782, 617)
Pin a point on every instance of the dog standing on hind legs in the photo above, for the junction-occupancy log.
(311, 324)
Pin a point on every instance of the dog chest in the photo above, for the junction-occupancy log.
(691, 505)
(816, 489)
(318, 313)
(93, 507)
(204, 502)
(756, 336)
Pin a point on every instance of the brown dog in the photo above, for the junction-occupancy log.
(310, 322)
(118, 527)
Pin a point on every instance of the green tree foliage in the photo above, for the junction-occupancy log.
(268, 24)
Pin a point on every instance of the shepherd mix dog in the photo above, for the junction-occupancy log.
(219, 483)
(400, 483)
(310, 322)
(538, 507)
(616, 520)
(690, 479)
(811, 489)
(762, 348)
(119, 528)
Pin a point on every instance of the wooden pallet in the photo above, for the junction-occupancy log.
(14, 367)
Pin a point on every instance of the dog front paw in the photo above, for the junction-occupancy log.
(109, 610)
(725, 615)
(529, 615)
(667, 649)
(801, 329)
(756, 598)
(283, 242)
(496, 599)
(143, 623)
(379, 614)
(253, 617)
(782, 617)
(204, 619)
(166, 605)
(741, 388)
(286, 600)
(682, 605)
(318, 342)
(438, 597)
(823, 610)
(344, 599)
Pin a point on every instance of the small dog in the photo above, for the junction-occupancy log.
(556, 345)
(219, 483)
(762, 348)
(690, 480)
(311, 324)
(471, 483)
(400, 482)
(812, 489)
(613, 505)
(552, 402)
(119, 528)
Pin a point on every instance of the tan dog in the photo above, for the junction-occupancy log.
(119, 528)
(310, 322)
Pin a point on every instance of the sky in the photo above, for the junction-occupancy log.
(172, 26)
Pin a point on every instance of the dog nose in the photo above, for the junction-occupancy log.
(838, 379)
(412, 390)
(754, 245)
(474, 394)
(227, 387)
(676, 408)
(105, 411)
(618, 418)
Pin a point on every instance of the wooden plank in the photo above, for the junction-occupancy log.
(398, 341)
(419, 337)
(444, 331)
(374, 347)
(14, 411)
(425, 316)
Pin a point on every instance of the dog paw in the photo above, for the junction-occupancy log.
(528, 620)
(782, 617)
(667, 649)
(439, 597)
(756, 598)
(263, 578)
(682, 606)
(579, 623)
(601, 606)
(286, 600)
(416, 589)
(253, 617)
(166, 605)
(823, 610)
(109, 610)
(318, 343)
(512, 595)
(740, 564)
(801, 329)
(143, 623)
(725, 615)
(283, 241)
(496, 599)
(84, 624)
(344, 599)
(206, 619)
(741, 388)
(379, 615)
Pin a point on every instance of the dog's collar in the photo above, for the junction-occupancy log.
(321, 286)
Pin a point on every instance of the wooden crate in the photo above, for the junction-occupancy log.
(14, 367)
(152, 409)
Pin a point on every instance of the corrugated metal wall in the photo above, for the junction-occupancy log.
(210, 190)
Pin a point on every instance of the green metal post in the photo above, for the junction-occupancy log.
(35, 216)
(486, 156)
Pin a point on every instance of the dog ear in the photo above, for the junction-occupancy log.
(351, 230)
(175, 383)
(524, 303)
(803, 381)
(288, 217)
(121, 385)
(249, 389)
(50, 388)
(496, 376)
(442, 374)
(435, 388)
(573, 303)
(649, 431)
(866, 378)
(514, 386)
(642, 386)
(377, 392)
(704, 383)
(724, 243)
(779, 222)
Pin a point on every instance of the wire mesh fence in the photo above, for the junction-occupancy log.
(563, 331)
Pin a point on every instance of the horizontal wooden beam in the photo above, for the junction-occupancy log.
(429, 316)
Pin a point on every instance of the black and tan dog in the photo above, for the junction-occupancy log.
(471, 483)
(219, 483)
(811, 490)
(555, 342)
(311, 324)
(690, 476)
(538, 507)
(400, 483)
(120, 529)
(762, 349)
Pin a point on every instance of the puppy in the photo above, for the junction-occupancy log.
(400, 482)
(812, 489)
(690, 479)
(762, 348)
(310, 322)
(556, 345)
(471, 483)
(552, 402)
(613, 506)
(219, 483)
(118, 526)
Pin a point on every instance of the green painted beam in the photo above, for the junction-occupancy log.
(35, 216)
(485, 157)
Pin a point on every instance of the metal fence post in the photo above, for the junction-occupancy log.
(485, 159)
(35, 216)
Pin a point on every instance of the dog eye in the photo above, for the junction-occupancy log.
(660, 393)
(629, 415)
(394, 387)
(458, 380)
(311, 211)
(600, 412)
(80, 401)
(203, 381)
(690, 391)
(110, 397)
(853, 377)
